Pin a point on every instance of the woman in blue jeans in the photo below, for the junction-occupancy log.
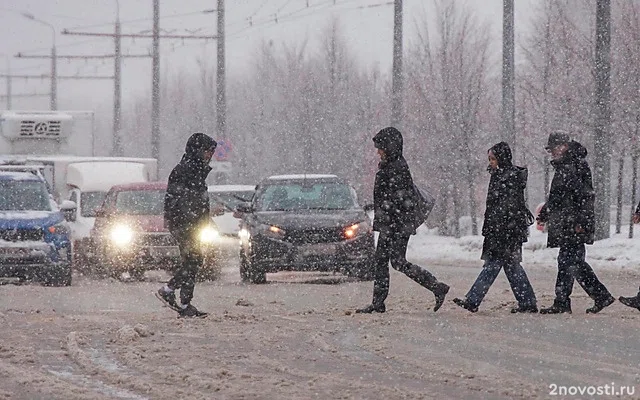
(505, 228)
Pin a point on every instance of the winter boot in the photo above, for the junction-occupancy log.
(190, 311)
(440, 292)
(168, 297)
(633, 302)
(599, 305)
(371, 308)
(527, 309)
(558, 307)
(465, 304)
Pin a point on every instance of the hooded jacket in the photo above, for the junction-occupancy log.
(393, 192)
(186, 204)
(506, 217)
(571, 200)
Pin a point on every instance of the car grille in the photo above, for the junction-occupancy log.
(157, 240)
(313, 236)
(21, 235)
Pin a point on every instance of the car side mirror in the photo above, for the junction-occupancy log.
(368, 207)
(244, 208)
(68, 209)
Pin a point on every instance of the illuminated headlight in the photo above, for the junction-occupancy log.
(243, 234)
(273, 231)
(351, 231)
(208, 235)
(121, 235)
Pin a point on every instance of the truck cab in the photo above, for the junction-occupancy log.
(35, 242)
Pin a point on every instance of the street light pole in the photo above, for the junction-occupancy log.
(117, 98)
(53, 104)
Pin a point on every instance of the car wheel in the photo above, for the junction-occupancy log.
(59, 278)
(249, 273)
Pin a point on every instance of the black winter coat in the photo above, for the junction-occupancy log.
(506, 217)
(571, 200)
(393, 191)
(186, 204)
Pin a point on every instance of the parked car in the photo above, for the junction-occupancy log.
(304, 223)
(129, 234)
(227, 198)
(34, 234)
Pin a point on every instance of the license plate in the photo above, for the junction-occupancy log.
(318, 250)
(168, 251)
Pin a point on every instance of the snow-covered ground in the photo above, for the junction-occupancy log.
(297, 337)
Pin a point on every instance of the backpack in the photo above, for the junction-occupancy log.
(424, 203)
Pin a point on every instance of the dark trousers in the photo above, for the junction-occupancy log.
(392, 248)
(572, 265)
(518, 280)
(191, 260)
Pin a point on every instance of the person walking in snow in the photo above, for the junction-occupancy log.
(505, 228)
(186, 211)
(633, 302)
(395, 219)
(569, 216)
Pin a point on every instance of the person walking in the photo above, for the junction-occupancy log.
(505, 228)
(570, 218)
(186, 212)
(395, 219)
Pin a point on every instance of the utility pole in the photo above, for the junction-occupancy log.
(221, 97)
(8, 93)
(397, 77)
(155, 56)
(155, 83)
(602, 141)
(117, 92)
(508, 75)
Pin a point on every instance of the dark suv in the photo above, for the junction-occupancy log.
(304, 223)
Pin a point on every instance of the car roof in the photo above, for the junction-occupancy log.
(301, 177)
(18, 176)
(140, 186)
(231, 188)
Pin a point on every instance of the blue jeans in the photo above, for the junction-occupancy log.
(518, 280)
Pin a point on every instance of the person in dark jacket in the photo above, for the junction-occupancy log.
(633, 302)
(505, 228)
(569, 216)
(186, 211)
(395, 220)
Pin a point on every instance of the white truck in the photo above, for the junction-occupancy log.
(42, 139)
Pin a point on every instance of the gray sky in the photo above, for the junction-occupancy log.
(367, 29)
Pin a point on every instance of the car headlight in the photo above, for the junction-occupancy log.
(272, 231)
(59, 229)
(355, 230)
(121, 235)
(208, 235)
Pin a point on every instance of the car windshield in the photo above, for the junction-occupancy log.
(230, 199)
(90, 202)
(307, 196)
(24, 196)
(140, 202)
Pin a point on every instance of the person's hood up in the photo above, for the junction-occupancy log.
(575, 152)
(502, 152)
(197, 144)
(390, 141)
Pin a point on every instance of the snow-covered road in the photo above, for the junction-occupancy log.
(296, 338)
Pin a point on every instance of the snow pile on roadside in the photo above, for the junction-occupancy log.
(616, 253)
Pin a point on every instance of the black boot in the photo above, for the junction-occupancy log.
(599, 305)
(527, 309)
(440, 292)
(371, 308)
(465, 304)
(633, 302)
(557, 308)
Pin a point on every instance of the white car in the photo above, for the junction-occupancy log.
(228, 197)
